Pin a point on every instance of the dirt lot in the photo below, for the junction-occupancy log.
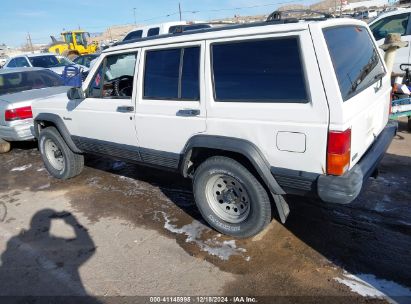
(121, 229)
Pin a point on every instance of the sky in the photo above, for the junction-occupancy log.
(42, 18)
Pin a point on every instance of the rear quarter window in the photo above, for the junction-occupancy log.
(153, 32)
(356, 61)
(265, 70)
(134, 35)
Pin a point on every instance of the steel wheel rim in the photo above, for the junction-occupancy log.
(54, 155)
(228, 198)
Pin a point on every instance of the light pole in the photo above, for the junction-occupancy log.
(135, 21)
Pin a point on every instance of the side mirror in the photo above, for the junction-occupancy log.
(75, 93)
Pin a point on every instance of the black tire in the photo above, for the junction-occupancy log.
(73, 163)
(409, 124)
(259, 213)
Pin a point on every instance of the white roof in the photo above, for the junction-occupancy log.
(225, 32)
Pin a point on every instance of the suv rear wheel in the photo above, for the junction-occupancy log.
(59, 160)
(230, 198)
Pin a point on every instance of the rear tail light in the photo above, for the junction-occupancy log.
(390, 106)
(18, 114)
(338, 152)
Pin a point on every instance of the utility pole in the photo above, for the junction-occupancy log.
(179, 9)
(109, 32)
(135, 20)
(30, 43)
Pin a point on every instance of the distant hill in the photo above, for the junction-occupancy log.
(325, 5)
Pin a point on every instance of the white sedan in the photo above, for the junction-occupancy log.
(53, 62)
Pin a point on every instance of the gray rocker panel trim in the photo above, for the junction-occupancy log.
(130, 153)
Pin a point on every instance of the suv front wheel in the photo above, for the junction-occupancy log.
(60, 161)
(230, 198)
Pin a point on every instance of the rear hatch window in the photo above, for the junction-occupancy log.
(356, 61)
(29, 80)
(359, 71)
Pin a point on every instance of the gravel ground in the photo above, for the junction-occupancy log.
(123, 230)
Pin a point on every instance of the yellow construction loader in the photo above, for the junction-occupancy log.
(75, 43)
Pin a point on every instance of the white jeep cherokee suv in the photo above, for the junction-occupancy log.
(249, 112)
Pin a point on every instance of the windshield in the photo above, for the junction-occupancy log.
(355, 58)
(81, 38)
(48, 61)
(25, 81)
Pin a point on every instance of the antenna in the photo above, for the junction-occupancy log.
(135, 20)
(179, 9)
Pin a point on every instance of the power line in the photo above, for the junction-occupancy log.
(222, 9)
(199, 11)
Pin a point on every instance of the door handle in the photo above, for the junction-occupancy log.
(188, 112)
(125, 109)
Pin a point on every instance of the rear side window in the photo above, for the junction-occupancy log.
(190, 74)
(172, 74)
(153, 32)
(355, 59)
(134, 35)
(161, 74)
(268, 70)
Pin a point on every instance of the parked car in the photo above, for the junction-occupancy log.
(250, 113)
(3, 60)
(370, 14)
(54, 62)
(175, 29)
(152, 30)
(397, 21)
(19, 87)
(85, 60)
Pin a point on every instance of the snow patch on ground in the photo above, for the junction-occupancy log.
(367, 285)
(22, 168)
(44, 186)
(221, 249)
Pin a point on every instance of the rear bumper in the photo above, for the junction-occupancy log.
(344, 189)
(337, 189)
(19, 132)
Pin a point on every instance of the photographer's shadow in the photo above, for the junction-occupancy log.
(36, 263)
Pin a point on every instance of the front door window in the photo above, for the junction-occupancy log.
(114, 78)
